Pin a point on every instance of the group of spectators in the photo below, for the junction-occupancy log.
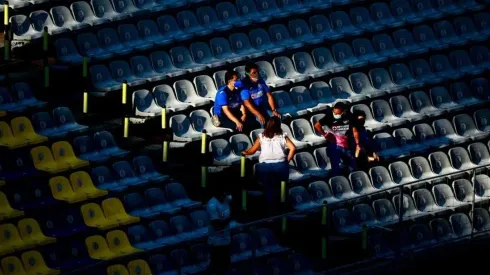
(247, 104)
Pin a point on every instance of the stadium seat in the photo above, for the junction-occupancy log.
(424, 134)
(304, 64)
(114, 210)
(105, 144)
(22, 29)
(7, 138)
(93, 216)
(126, 175)
(306, 165)
(300, 199)
(23, 130)
(343, 54)
(222, 152)
(121, 72)
(81, 182)
(62, 18)
(402, 109)
(65, 121)
(462, 94)
(465, 126)
(303, 132)
(138, 207)
(201, 54)
(422, 104)
(479, 153)
(82, 12)
(104, 180)
(98, 249)
(44, 125)
(386, 148)
(320, 192)
(44, 161)
(342, 23)
(384, 46)
(145, 104)
(142, 68)
(406, 140)
(62, 190)
(381, 81)
(268, 244)
(240, 143)
(285, 70)
(420, 168)
(480, 56)
(63, 153)
(362, 19)
(11, 240)
(364, 50)
(31, 233)
(139, 266)
(6, 210)
(461, 61)
(444, 129)
(400, 173)
(341, 188)
(321, 158)
(371, 123)
(165, 97)
(460, 159)
(383, 114)
(285, 104)
(300, 31)
(324, 60)
(117, 269)
(182, 129)
(201, 120)
(40, 19)
(446, 34)
(440, 164)
(163, 234)
(482, 219)
(441, 229)
(177, 195)
(186, 93)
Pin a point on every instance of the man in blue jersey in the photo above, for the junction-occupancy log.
(228, 110)
(256, 95)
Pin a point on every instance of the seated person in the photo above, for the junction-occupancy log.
(228, 110)
(256, 95)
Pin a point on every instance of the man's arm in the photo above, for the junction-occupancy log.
(251, 107)
(272, 103)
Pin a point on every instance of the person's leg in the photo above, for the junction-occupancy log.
(225, 122)
(266, 175)
(335, 159)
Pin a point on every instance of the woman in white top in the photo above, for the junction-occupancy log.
(273, 166)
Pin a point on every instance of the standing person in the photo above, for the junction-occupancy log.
(273, 166)
(219, 240)
(256, 95)
(228, 110)
(364, 150)
(338, 122)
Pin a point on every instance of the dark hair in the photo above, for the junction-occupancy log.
(358, 113)
(229, 76)
(272, 127)
(250, 66)
(340, 105)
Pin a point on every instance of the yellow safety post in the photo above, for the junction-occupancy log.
(283, 201)
(242, 178)
(126, 127)
(364, 234)
(204, 169)
(85, 102)
(165, 142)
(6, 31)
(124, 88)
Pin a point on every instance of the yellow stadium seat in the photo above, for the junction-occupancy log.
(22, 129)
(10, 238)
(34, 264)
(119, 243)
(139, 267)
(62, 190)
(114, 209)
(6, 211)
(98, 249)
(13, 266)
(7, 138)
(117, 269)
(63, 152)
(94, 217)
(44, 161)
(81, 182)
(31, 233)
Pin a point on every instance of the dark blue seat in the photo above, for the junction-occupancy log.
(85, 149)
(141, 238)
(25, 97)
(384, 46)
(137, 206)
(65, 121)
(159, 203)
(126, 174)
(44, 125)
(182, 227)
(145, 169)
(103, 179)
(364, 50)
(422, 71)
(15, 165)
(404, 41)
(362, 20)
(344, 56)
(8, 104)
(161, 264)
(105, 144)
(402, 10)
(341, 23)
(177, 195)
(163, 233)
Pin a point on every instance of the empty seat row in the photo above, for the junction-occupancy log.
(156, 201)
(31, 262)
(115, 244)
(59, 158)
(425, 202)
(98, 148)
(20, 133)
(21, 100)
(26, 235)
(82, 14)
(189, 128)
(78, 187)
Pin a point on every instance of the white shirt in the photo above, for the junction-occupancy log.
(272, 150)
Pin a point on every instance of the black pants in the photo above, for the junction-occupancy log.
(249, 125)
(220, 259)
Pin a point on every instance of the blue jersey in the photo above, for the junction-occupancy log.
(225, 97)
(257, 92)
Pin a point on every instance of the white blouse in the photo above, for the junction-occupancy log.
(272, 150)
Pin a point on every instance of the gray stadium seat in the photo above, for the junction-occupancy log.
(201, 120)
(371, 124)
(182, 129)
(320, 192)
(321, 93)
(324, 60)
(424, 201)
(420, 168)
(386, 147)
(269, 76)
(144, 104)
(425, 136)
(440, 164)
(422, 104)
(40, 19)
(322, 159)
(465, 126)
(361, 85)
(304, 65)
(444, 129)
(463, 191)
(205, 87)
(306, 164)
(360, 183)
(382, 113)
(380, 177)
(341, 188)
(285, 104)
(185, 92)
(104, 9)
(407, 141)
(461, 225)
(408, 207)
(240, 143)
(222, 154)
(479, 153)
(442, 229)
(165, 97)
(285, 70)
(402, 109)
(462, 94)
(363, 214)
(162, 64)
(303, 101)
(142, 68)
(460, 159)
(62, 18)
(302, 131)
(385, 212)
(22, 29)
(400, 173)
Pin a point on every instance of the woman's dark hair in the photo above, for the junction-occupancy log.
(229, 76)
(272, 127)
(250, 66)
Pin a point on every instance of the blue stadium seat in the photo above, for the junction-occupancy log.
(186, 263)
(425, 37)
(320, 4)
(62, 18)
(169, 28)
(105, 144)
(8, 104)
(85, 149)
(25, 97)
(364, 50)
(360, 183)
(126, 7)
(277, 265)
(201, 54)
(45, 126)
(149, 31)
(15, 165)
(446, 34)
(341, 89)
(362, 19)
(341, 23)
(402, 11)
(306, 164)
(320, 192)
(425, 9)
(109, 41)
(145, 104)
(481, 86)
(65, 121)
(422, 72)
(268, 74)
(324, 60)
(241, 247)
(88, 45)
(380, 177)
(162, 64)
(182, 59)
(422, 104)
(465, 28)
(165, 97)
(102, 79)
(449, 7)
(40, 19)
(462, 94)
(227, 13)
(67, 52)
(480, 56)
(162, 264)
(382, 15)
(248, 9)
(361, 85)
(381, 81)
(285, 69)
(344, 56)
(304, 64)
(320, 26)
(403, 78)
(461, 61)
(222, 153)
(386, 147)
(145, 169)
(142, 68)
(384, 46)
(221, 49)
(141, 238)
(294, 6)
(137, 206)
(130, 38)
(270, 8)
(300, 31)
(200, 221)
(126, 174)
(182, 227)
(441, 99)
(268, 244)
(182, 129)
(188, 23)
(302, 99)
(209, 19)
(163, 233)
(425, 136)
(205, 87)
(406, 140)
(82, 12)
(104, 9)
(159, 203)
(402, 109)
(481, 21)
(103, 179)
(178, 196)
(121, 72)
(404, 41)
(22, 29)
(280, 36)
